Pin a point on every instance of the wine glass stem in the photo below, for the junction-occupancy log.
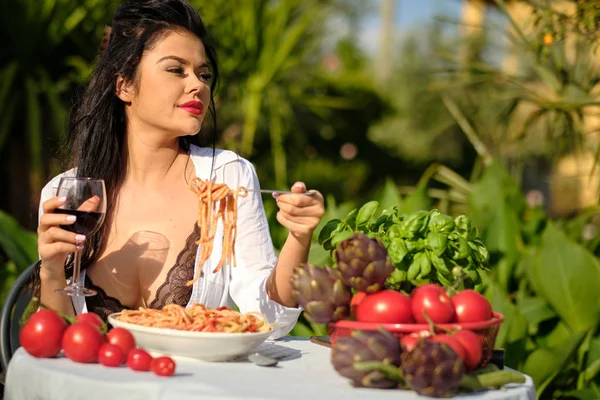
(76, 268)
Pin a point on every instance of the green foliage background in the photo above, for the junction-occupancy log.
(450, 128)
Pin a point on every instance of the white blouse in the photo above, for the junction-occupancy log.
(245, 284)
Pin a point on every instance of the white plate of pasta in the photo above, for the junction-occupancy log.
(196, 332)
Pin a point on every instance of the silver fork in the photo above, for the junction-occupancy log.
(282, 192)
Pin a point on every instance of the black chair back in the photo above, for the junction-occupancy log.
(12, 310)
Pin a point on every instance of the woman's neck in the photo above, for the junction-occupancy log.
(150, 160)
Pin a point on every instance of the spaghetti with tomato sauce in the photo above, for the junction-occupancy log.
(197, 318)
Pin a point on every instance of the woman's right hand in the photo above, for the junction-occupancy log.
(55, 243)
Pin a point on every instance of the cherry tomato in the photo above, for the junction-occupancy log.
(121, 337)
(385, 307)
(163, 366)
(471, 306)
(81, 342)
(453, 343)
(472, 344)
(42, 335)
(139, 360)
(356, 299)
(110, 355)
(432, 300)
(91, 318)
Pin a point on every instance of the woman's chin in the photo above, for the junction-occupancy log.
(191, 130)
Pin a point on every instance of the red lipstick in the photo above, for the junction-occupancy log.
(193, 107)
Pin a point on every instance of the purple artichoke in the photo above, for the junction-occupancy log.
(321, 292)
(363, 262)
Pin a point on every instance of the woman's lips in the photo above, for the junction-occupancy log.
(192, 110)
(193, 107)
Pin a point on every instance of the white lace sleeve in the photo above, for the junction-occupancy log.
(254, 251)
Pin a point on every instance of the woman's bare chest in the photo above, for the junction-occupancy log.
(146, 238)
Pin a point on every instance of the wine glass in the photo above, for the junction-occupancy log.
(86, 199)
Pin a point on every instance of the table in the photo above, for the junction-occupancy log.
(307, 374)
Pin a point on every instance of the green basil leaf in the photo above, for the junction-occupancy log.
(461, 249)
(397, 250)
(441, 223)
(340, 237)
(440, 264)
(329, 229)
(437, 242)
(365, 213)
(415, 224)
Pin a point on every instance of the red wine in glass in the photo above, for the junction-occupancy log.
(88, 222)
(86, 200)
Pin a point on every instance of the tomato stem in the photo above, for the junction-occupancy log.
(433, 326)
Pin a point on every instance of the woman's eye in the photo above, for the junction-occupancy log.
(176, 70)
(205, 76)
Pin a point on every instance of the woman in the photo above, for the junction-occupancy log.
(145, 102)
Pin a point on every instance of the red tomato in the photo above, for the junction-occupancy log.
(356, 299)
(81, 342)
(91, 318)
(42, 334)
(408, 342)
(453, 343)
(163, 366)
(139, 360)
(471, 306)
(432, 300)
(472, 343)
(121, 337)
(110, 355)
(385, 307)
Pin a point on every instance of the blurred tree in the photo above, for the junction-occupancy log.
(46, 48)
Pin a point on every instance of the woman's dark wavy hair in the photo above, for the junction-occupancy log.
(97, 124)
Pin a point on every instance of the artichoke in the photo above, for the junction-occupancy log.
(432, 369)
(363, 262)
(363, 347)
(321, 292)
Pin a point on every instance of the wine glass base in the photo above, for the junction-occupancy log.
(76, 291)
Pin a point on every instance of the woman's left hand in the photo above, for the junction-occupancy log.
(300, 213)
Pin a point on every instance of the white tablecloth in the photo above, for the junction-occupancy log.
(306, 375)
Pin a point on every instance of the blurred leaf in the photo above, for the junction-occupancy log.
(583, 394)
(561, 264)
(416, 201)
(535, 310)
(544, 364)
(19, 245)
(301, 330)
(389, 196)
(513, 331)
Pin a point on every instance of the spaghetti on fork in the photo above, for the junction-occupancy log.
(217, 201)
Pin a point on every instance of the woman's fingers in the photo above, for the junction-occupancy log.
(56, 234)
(293, 210)
(294, 225)
(49, 220)
(90, 204)
(53, 203)
(51, 250)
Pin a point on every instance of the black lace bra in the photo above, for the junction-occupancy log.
(172, 291)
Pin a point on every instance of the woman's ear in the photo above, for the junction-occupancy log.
(124, 90)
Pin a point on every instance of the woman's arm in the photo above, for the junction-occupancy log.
(254, 252)
(301, 215)
(54, 245)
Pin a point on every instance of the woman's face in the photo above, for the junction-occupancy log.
(172, 90)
